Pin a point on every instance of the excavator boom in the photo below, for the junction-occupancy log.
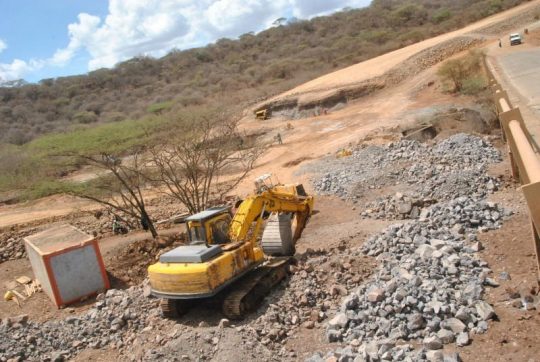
(253, 208)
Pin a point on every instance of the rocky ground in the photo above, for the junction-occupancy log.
(426, 293)
(428, 287)
(456, 166)
(428, 290)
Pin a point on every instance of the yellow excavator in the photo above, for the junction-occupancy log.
(226, 258)
(262, 114)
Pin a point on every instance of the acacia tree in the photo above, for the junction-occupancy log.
(119, 187)
(203, 162)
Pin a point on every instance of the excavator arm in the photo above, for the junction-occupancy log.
(272, 200)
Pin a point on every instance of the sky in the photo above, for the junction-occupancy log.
(51, 38)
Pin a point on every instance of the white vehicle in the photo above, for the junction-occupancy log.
(515, 39)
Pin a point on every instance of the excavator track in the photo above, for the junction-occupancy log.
(277, 238)
(173, 308)
(251, 290)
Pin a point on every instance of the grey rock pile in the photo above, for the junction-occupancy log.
(114, 321)
(319, 280)
(429, 286)
(366, 168)
(397, 207)
(429, 57)
(454, 167)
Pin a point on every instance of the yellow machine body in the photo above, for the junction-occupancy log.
(263, 114)
(199, 280)
(239, 250)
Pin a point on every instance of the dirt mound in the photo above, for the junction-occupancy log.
(128, 266)
(305, 105)
(450, 121)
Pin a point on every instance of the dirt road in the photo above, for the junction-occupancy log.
(378, 66)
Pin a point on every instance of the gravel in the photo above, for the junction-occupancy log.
(427, 290)
(456, 166)
(113, 321)
(429, 285)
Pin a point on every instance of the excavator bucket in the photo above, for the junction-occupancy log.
(277, 238)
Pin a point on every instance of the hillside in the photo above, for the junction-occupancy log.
(241, 71)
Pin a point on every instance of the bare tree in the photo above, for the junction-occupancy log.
(204, 162)
(119, 187)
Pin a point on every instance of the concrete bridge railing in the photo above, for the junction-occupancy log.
(523, 153)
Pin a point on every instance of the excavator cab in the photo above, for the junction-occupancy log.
(209, 227)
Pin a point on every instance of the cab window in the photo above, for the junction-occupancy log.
(196, 233)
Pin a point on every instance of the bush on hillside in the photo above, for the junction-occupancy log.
(158, 108)
(85, 117)
(461, 70)
(233, 71)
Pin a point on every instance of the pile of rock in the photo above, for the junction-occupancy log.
(319, 280)
(366, 168)
(397, 207)
(429, 57)
(429, 285)
(454, 167)
(114, 321)
(466, 149)
(12, 244)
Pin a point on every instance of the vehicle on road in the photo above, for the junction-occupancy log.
(515, 39)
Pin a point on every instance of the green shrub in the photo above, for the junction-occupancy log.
(61, 102)
(458, 70)
(158, 108)
(110, 137)
(85, 117)
(473, 85)
(441, 15)
(45, 188)
(114, 116)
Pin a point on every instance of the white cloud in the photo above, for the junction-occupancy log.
(234, 17)
(3, 45)
(154, 27)
(137, 27)
(18, 68)
(79, 34)
(310, 8)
